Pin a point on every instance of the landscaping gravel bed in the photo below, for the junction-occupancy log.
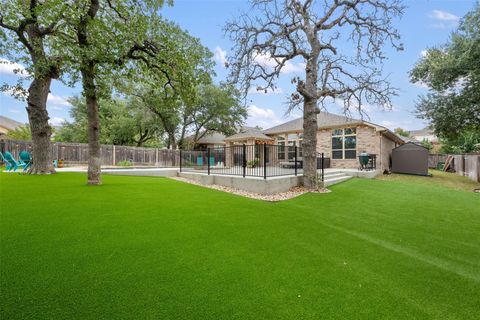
(292, 193)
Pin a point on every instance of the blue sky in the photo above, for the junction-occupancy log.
(424, 24)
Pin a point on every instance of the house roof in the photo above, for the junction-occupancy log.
(212, 138)
(324, 120)
(422, 132)
(330, 120)
(9, 124)
(249, 133)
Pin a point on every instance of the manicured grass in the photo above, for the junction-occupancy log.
(153, 248)
(437, 178)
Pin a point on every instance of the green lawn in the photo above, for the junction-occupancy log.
(437, 178)
(153, 248)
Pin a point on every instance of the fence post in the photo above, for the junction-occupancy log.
(264, 161)
(208, 160)
(244, 162)
(113, 156)
(180, 160)
(295, 148)
(323, 165)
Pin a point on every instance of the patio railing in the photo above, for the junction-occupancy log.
(260, 160)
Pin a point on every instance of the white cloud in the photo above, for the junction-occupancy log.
(269, 91)
(220, 55)
(12, 68)
(353, 107)
(424, 53)
(57, 102)
(443, 16)
(387, 123)
(264, 118)
(443, 19)
(56, 121)
(267, 61)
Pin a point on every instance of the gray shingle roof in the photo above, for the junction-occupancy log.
(328, 120)
(249, 133)
(324, 119)
(212, 138)
(8, 123)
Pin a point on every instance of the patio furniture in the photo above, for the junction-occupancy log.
(367, 161)
(7, 164)
(291, 164)
(14, 164)
(26, 158)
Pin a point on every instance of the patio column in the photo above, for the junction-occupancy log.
(228, 155)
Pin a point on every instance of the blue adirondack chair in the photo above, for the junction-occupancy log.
(7, 164)
(26, 158)
(14, 164)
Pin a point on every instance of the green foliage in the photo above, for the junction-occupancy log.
(20, 133)
(402, 132)
(121, 123)
(204, 109)
(125, 163)
(427, 144)
(466, 142)
(452, 72)
(253, 163)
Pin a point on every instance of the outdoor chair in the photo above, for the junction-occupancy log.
(7, 164)
(14, 164)
(26, 158)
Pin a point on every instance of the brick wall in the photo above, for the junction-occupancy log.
(368, 140)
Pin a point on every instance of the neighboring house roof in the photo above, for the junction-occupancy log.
(9, 124)
(249, 133)
(329, 120)
(425, 133)
(212, 138)
(409, 140)
(422, 132)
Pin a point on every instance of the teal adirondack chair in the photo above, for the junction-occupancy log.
(14, 164)
(7, 164)
(26, 158)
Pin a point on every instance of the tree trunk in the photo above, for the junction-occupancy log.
(40, 129)
(94, 149)
(309, 144)
(310, 126)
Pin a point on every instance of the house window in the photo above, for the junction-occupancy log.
(281, 147)
(292, 142)
(344, 143)
(300, 145)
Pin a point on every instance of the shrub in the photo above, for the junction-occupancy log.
(125, 163)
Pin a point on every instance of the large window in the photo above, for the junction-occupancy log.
(344, 143)
(300, 145)
(281, 147)
(292, 142)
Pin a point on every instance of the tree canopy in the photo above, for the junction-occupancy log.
(276, 33)
(123, 122)
(452, 74)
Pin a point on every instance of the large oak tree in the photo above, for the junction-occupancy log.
(340, 43)
(26, 32)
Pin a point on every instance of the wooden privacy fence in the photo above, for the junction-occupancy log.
(77, 153)
(464, 164)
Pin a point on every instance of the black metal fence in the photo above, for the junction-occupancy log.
(260, 160)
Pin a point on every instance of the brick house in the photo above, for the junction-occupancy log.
(340, 138)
